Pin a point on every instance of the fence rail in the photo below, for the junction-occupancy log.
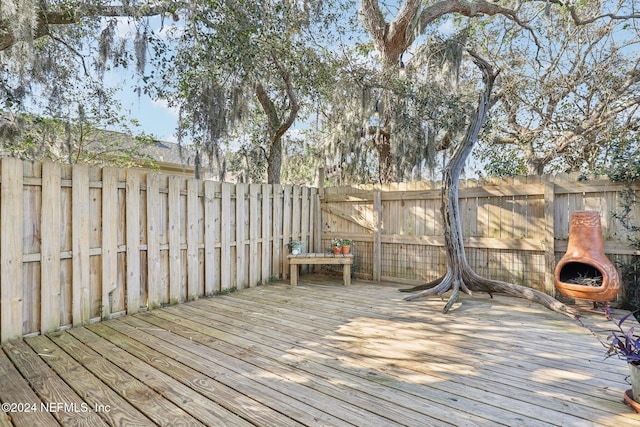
(81, 243)
(515, 230)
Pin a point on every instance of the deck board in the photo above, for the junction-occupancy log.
(320, 354)
(142, 397)
(117, 410)
(16, 390)
(52, 390)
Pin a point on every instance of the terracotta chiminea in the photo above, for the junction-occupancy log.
(584, 272)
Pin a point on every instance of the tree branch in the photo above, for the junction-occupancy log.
(75, 12)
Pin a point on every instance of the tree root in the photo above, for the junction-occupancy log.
(424, 286)
(469, 281)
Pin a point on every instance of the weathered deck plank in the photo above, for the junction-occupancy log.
(16, 390)
(183, 371)
(500, 361)
(107, 403)
(322, 354)
(142, 397)
(51, 389)
(471, 392)
(199, 407)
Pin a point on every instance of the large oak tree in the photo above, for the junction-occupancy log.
(393, 38)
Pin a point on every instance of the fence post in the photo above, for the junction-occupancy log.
(377, 235)
(549, 240)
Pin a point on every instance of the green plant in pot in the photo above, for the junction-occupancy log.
(346, 246)
(336, 246)
(626, 345)
(295, 247)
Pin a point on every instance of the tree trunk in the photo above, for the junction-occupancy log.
(277, 128)
(459, 275)
(385, 160)
(274, 162)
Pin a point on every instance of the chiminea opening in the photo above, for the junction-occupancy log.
(584, 272)
(578, 273)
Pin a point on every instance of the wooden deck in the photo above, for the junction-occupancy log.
(319, 354)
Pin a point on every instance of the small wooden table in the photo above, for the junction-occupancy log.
(321, 258)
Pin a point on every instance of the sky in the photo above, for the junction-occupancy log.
(155, 116)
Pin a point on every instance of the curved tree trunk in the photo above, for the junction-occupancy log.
(459, 275)
(277, 127)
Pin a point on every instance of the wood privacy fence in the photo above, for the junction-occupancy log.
(82, 243)
(515, 229)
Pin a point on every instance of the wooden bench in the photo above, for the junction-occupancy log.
(320, 258)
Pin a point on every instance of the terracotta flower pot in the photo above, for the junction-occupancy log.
(585, 259)
(629, 399)
(634, 373)
(337, 250)
(346, 250)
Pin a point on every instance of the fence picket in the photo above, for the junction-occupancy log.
(225, 238)
(50, 248)
(286, 228)
(278, 219)
(193, 260)
(241, 226)
(266, 232)
(133, 240)
(210, 225)
(254, 235)
(154, 264)
(175, 251)
(11, 286)
(110, 220)
(81, 301)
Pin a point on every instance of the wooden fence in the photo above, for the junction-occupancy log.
(515, 229)
(81, 243)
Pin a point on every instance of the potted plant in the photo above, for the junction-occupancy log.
(626, 345)
(295, 247)
(346, 246)
(336, 245)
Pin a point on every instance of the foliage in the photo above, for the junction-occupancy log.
(624, 344)
(234, 65)
(505, 161)
(74, 141)
(302, 158)
(625, 167)
(567, 91)
(54, 102)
